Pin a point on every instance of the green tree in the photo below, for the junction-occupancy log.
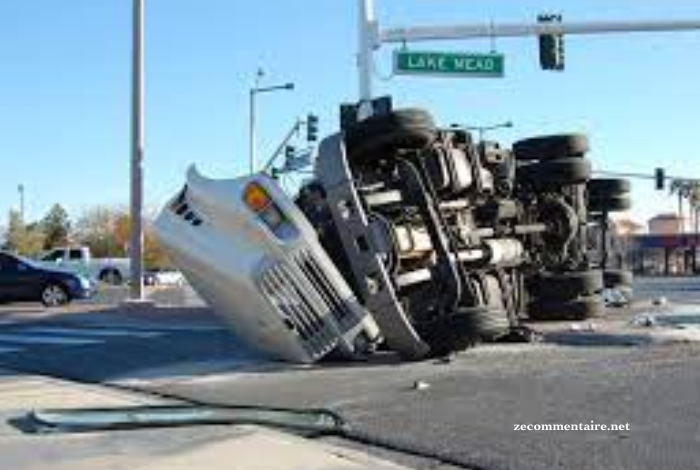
(95, 229)
(56, 227)
(153, 254)
(23, 239)
(106, 231)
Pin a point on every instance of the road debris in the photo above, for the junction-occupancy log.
(420, 385)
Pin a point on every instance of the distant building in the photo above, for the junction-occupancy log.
(665, 224)
(666, 249)
(612, 251)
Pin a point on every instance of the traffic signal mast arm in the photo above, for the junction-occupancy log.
(285, 141)
(659, 176)
(474, 31)
(311, 124)
(371, 37)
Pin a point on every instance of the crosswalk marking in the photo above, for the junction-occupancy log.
(19, 337)
(6, 350)
(28, 338)
(161, 327)
(97, 332)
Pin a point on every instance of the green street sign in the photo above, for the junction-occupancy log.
(448, 64)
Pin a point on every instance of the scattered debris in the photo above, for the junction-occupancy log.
(589, 327)
(447, 359)
(521, 334)
(614, 298)
(645, 321)
(420, 385)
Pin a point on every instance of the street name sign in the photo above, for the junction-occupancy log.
(448, 64)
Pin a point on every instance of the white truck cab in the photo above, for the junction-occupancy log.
(251, 254)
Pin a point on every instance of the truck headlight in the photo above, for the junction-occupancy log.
(257, 199)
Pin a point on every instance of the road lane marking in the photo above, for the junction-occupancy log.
(6, 350)
(209, 371)
(98, 332)
(21, 338)
(158, 327)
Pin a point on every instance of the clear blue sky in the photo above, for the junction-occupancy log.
(64, 88)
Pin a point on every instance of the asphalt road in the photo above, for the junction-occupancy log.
(464, 412)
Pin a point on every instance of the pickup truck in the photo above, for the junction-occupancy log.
(79, 260)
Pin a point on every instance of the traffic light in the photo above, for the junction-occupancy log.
(312, 128)
(289, 152)
(551, 45)
(660, 178)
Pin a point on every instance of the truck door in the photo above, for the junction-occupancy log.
(77, 261)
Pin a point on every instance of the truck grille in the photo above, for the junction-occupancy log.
(314, 273)
(290, 287)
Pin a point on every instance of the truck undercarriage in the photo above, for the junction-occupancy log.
(447, 242)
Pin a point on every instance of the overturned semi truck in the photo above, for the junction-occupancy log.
(409, 236)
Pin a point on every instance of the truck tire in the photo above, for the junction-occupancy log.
(466, 328)
(613, 278)
(577, 309)
(54, 295)
(551, 147)
(491, 323)
(405, 128)
(566, 286)
(609, 203)
(561, 172)
(111, 276)
(604, 187)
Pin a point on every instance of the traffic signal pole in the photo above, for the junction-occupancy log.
(368, 29)
(371, 37)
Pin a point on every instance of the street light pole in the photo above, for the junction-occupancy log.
(252, 128)
(20, 189)
(137, 131)
(253, 115)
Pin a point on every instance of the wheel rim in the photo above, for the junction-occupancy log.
(53, 296)
(111, 277)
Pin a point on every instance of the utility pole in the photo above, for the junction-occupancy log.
(137, 131)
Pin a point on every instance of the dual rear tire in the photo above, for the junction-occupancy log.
(566, 296)
(556, 160)
(609, 195)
